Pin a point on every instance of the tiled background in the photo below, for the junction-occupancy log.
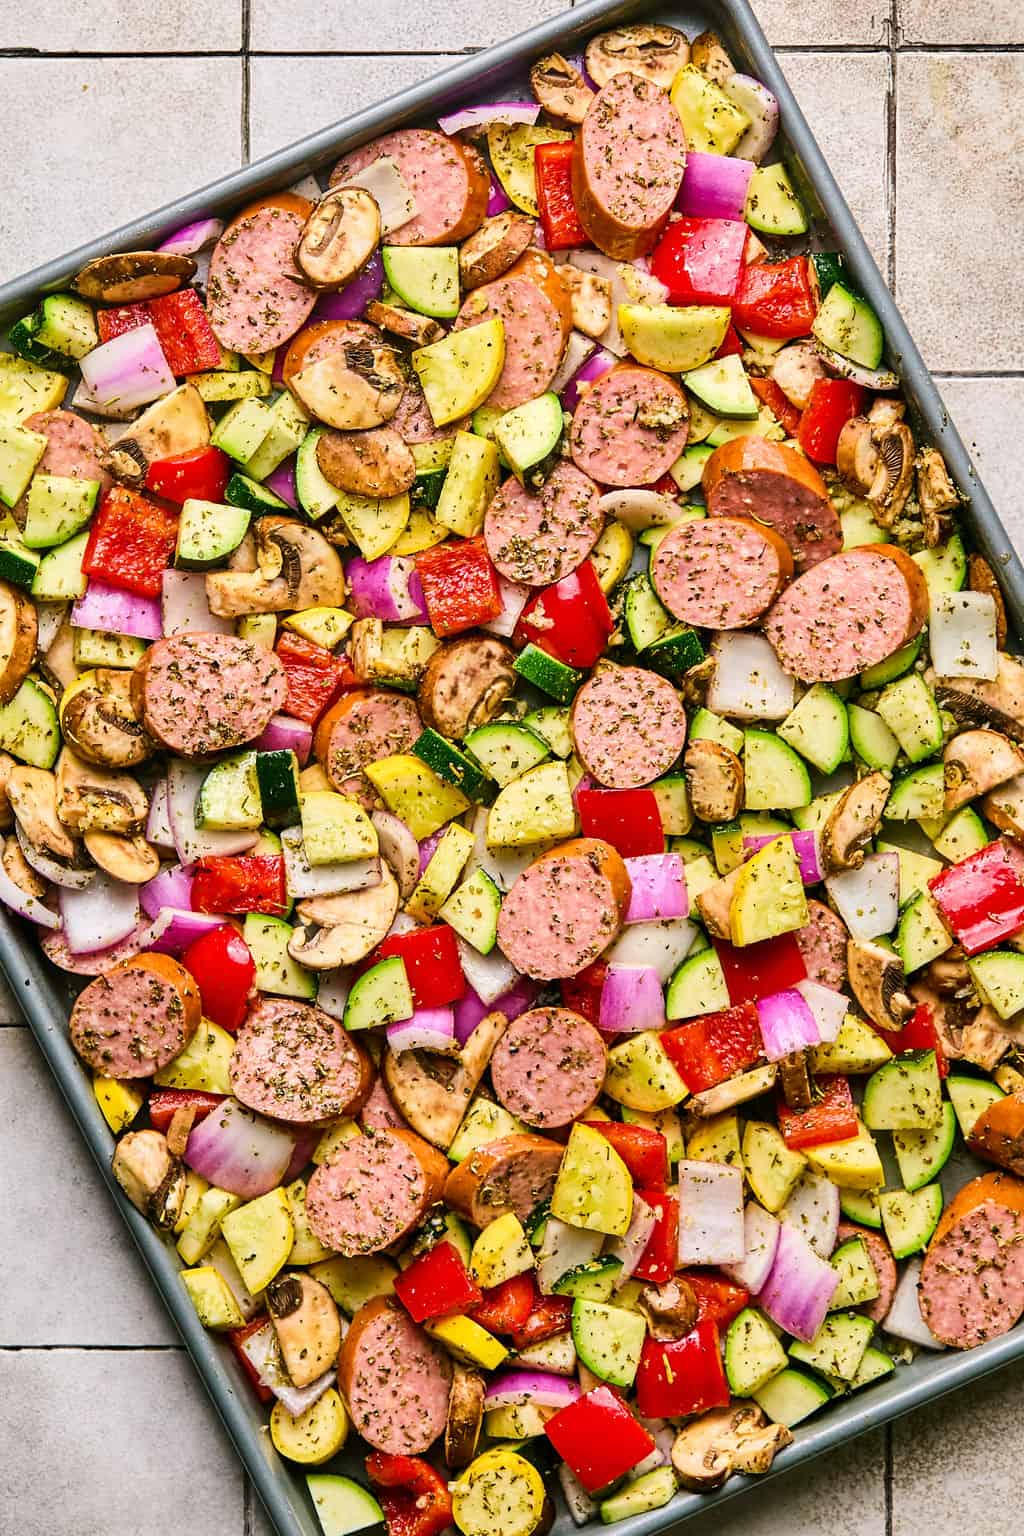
(113, 104)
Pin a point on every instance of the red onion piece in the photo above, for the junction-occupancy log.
(595, 367)
(761, 1238)
(663, 945)
(117, 612)
(714, 186)
(306, 1138)
(428, 847)
(129, 371)
(541, 1388)
(191, 238)
(282, 482)
(349, 302)
(489, 975)
(631, 1246)
(99, 961)
(471, 1008)
(489, 112)
(805, 846)
(658, 882)
(903, 1319)
(286, 734)
(429, 1029)
(799, 1286)
(184, 609)
(710, 1213)
(183, 928)
(239, 1151)
(172, 887)
(786, 1023)
(497, 199)
(387, 588)
(828, 1007)
(631, 1000)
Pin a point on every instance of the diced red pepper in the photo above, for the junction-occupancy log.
(131, 542)
(832, 1116)
(758, 970)
(120, 319)
(981, 899)
(414, 1498)
(718, 1300)
(506, 1307)
(184, 332)
(432, 964)
(582, 993)
(918, 1034)
(164, 1102)
(832, 404)
(708, 1050)
(570, 620)
(681, 1376)
(781, 407)
(629, 819)
(660, 1259)
(250, 882)
(223, 969)
(435, 1283)
(700, 260)
(732, 346)
(202, 474)
(551, 1315)
(599, 1437)
(775, 298)
(460, 585)
(315, 676)
(643, 1150)
(552, 170)
(238, 1337)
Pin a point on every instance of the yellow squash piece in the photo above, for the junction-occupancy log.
(211, 1296)
(499, 1494)
(673, 337)
(438, 880)
(202, 1229)
(421, 532)
(471, 481)
(532, 809)
(612, 555)
(501, 1252)
(195, 1188)
(716, 1140)
(203, 1063)
(260, 1235)
(458, 372)
(119, 1100)
(593, 1188)
(323, 626)
(854, 1164)
(415, 793)
(712, 123)
(334, 1136)
(768, 898)
(352, 1282)
(26, 388)
(511, 147)
(856, 1049)
(467, 1341)
(373, 522)
(641, 1076)
(306, 1248)
(335, 828)
(312, 1437)
(773, 1170)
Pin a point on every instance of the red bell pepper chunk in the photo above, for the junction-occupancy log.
(832, 1116)
(700, 260)
(460, 585)
(164, 1102)
(435, 1283)
(681, 1376)
(505, 1308)
(432, 964)
(552, 170)
(251, 882)
(718, 1300)
(758, 970)
(643, 1150)
(708, 1050)
(832, 404)
(732, 346)
(918, 1034)
(224, 971)
(775, 298)
(570, 620)
(202, 474)
(315, 676)
(414, 1498)
(551, 1315)
(120, 319)
(660, 1259)
(781, 407)
(598, 1437)
(238, 1337)
(629, 819)
(582, 993)
(184, 332)
(131, 542)
(981, 899)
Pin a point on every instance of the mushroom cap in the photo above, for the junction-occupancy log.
(655, 52)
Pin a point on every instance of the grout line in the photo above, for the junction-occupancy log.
(248, 1516)
(460, 53)
(246, 80)
(888, 1479)
(891, 139)
(92, 1349)
(977, 373)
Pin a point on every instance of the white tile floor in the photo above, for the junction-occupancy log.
(113, 104)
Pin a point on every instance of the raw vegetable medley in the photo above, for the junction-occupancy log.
(494, 698)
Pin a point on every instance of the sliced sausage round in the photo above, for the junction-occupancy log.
(136, 1018)
(448, 184)
(998, 1133)
(413, 421)
(548, 1067)
(72, 451)
(629, 427)
(256, 296)
(536, 538)
(848, 613)
(379, 1113)
(752, 477)
(373, 1190)
(882, 1262)
(199, 693)
(628, 166)
(721, 572)
(365, 725)
(514, 1173)
(972, 1280)
(564, 910)
(628, 726)
(294, 1062)
(534, 338)
(394, 1379)
(822, 945)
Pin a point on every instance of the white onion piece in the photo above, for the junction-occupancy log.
(813, 1211)
(711, 1227)
(385, 184)
(639, 509)
(220, 1258)
(184, 609)
(614, 272)
(514, 599)
(303, 879)
(577, 349)
(661, 946)
(563, 1248)
(867, 899)
(104, 913)
(49, 618)
(757, 101)
(158, 827)
(630, 1247)
(903, 1319)
(962, 635)
(25, 905)
(761, 1238)
(578, 1502)
(829, 1008)
(503, 865)
(83, 399)
(749, 682)
(332, 994)
(191, 842)
(308, 187)
(556, 1354)
(489, 975)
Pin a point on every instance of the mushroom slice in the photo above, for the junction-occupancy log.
(18, 631)
(796, 1081)
(175, 425)
(357, 387)
(18, 869)
(876, 461)
(657, 53)
(737, 1090)
(671, 1309)
(419, 329)
(465, 684)
(433, 1092)
(296, 568)
(343, 929)
(57, 663)
(133, 275)
(399, 849)
(496, 246)
(853, 821)
(937, 496)
(340, 236)
(949, 974)
(707, 53)
(591, 299)
(465, 1418)
(715, 905)
(1004, 807)
(6, 814)
(981, 578)
(999, 703)
(726, 1440)
(857, 455)
(307, 1326)
(561, 89)
(151, 1176)
(796, 370)
(130, 859)
(377, 463)
(975, 762)
(99, 720)
(33, 796)
(714, 781)
(92, 799)
(878, 983)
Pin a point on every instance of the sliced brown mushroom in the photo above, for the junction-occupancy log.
(307, 1325)
(18, 632)
(949, 975)
(343, 929)
(657, 53)
(561, 89)
(33, 796)
(937, 496)
(999, 703)
(876, 460)
(151, 1176)
(465, 684)
(296, 568)
(714, 781)
(590, 296)
(966, 1032)
(671, 1309)
(797, 1089)
(433, 1092)
(18, 869)
(981, 578)
(496, 246)
(796, 370)
(92, 799)
(374, 463)
(695, 682)
(886, 411)
(878, 983)
(356, 387)
(133, 275)
(6, 814)
(100, 723)
(130, 859)
(465, 1417)
(715, 905)
(419, 329)
(975, 762)
(708, 54)
(176, 424)
(853, 821)
(399, 848)
(179, 1129)
(58, 664)
(737, 1090)
(1004, 807)
(340, 236)
(726, 1440)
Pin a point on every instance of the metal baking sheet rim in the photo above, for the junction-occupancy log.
(35, 984)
